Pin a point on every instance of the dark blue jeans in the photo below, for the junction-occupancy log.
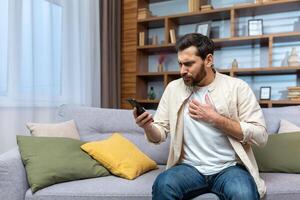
(185, 182)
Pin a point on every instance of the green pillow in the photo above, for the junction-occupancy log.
(280, 154)
(50, 160)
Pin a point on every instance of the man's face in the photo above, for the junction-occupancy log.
(192, 67)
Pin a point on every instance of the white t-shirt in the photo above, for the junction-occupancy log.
(205, 147)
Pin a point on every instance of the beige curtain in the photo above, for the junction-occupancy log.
(110, 33)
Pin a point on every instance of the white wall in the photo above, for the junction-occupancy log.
(13, 122)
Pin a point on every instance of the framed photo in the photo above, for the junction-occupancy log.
(203, 28)
(255, 27)
(265, 93)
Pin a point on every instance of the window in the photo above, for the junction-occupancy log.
(3, 46)
(37, 74)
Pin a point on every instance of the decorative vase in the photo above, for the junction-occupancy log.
(151, 94)
(294, 59)
(234, 64)
(160, 67)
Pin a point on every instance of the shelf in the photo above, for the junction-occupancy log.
(197, 17)
(267, 7)
(278, 103)
(266, 71)
(147, 101)
(247, 9)
(240, 41)
(238, 71)
(152, 22)
(269, 103)
(171, 73)
(150, 74)
(157, 48)
(234, 41)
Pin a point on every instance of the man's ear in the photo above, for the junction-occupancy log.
(209, 60)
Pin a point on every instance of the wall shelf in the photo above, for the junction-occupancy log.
(141, 54)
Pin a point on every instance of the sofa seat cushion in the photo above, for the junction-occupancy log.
(104, 188)
(282, 186)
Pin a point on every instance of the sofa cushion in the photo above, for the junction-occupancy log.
(280, 154)
(91, 120)
(50, 160)
(105, 188)
(274, 115)
(287, 127)
(159, 153)
(65, 129)
(282, 186)
(120, 156)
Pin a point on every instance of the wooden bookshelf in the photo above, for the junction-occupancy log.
(135, 74)
(277, 103)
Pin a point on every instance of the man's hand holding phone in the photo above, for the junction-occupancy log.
(144, 120)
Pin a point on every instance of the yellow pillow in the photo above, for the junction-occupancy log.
(120, 156)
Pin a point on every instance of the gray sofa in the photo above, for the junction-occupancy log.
(97, 124)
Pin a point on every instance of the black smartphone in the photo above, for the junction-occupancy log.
(139, 109)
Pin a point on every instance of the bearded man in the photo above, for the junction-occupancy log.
(212, 119)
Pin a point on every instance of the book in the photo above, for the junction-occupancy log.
(206, 7)
(141, 38)
(144, 13)
(193, 5)
(172, 36)
(294, 88)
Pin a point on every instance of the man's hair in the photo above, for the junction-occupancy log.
(203, 44)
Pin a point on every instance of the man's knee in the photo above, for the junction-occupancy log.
(164, 182)
(244, 191)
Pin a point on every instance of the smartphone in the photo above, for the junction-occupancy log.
(139, 109)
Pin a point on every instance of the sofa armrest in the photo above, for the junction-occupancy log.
(13, 179)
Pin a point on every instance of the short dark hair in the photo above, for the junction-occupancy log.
(203, 44)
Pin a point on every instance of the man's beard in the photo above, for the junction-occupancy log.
(190, 81)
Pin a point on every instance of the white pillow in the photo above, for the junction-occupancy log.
(287, 127)
(66, 129)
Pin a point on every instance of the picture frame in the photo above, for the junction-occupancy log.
(265, 93)
(255, 27)
(203, 28)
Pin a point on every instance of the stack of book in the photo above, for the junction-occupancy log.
(206, 7)
(294, 93)
(144, 13)
(194, 5)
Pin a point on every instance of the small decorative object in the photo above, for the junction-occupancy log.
(294, 59)
(151, 94)
(203, 28)
(297, 25)
(284, 61)
(255, 27)
(172, 36)
(154, 40)
(193, 5)
(234, 64)
(161, 59)
(144, 13)
(265, 93)
(141, 38)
